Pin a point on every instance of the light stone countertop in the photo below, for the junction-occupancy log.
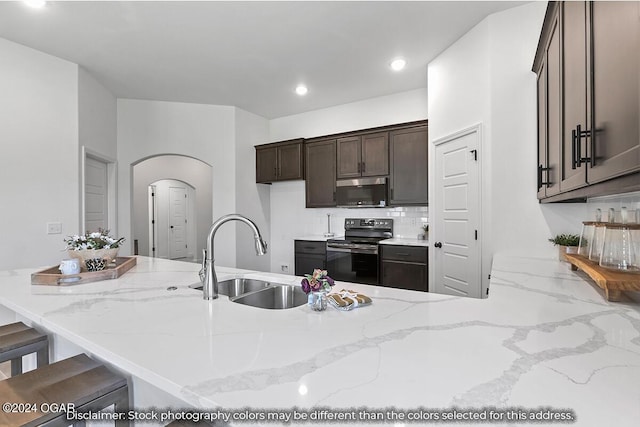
(545, 337)
(318, 237)
(404, 241)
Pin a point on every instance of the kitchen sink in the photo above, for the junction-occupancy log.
(259, 293)
(234, 287)
(275, 297)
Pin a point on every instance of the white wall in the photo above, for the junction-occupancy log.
(385, 110)
(205, 132)
(485, 77)
(513, 41)
(38, 155)
(459, 98)
(289, 217)
(97, 137)
(97, 116)
(252, 200)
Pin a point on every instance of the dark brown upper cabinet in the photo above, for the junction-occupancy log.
(588, 63)
(615, 93)
(320, 181)
(574, 88)
(408, 156)
(549, 113)
(280, 161)
(363, 155)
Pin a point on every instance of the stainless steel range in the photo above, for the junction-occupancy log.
(354, 258)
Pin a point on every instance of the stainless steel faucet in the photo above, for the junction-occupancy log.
(208, 272)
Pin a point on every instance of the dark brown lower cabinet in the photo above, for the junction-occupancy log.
(404, 267)
(309, 255)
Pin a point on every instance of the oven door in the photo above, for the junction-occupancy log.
(358, 265)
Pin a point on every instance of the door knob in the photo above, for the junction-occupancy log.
(438, 245)
(172, 226)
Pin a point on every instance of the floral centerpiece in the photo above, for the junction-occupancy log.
(92, 245)
(317, 282)
(317, 285)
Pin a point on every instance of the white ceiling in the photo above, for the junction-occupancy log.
(247, 54)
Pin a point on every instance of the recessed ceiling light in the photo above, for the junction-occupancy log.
(301, 90)
(398, 64)
(36, 4)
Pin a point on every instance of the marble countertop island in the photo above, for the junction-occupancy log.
(545, 338)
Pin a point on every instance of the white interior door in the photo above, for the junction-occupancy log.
(177, 222)
(95, 195)
(455, 234)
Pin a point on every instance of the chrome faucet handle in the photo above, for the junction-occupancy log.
(202, 271)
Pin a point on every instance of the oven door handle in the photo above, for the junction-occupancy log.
(353, 250)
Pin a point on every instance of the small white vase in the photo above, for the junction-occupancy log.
(564, 250)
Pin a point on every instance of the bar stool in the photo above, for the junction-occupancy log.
(78, 382)
(17, 340)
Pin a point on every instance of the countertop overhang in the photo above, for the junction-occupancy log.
(545, 337)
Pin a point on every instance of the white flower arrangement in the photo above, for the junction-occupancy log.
(93, 240)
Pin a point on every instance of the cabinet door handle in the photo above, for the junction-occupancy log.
(402, 254)
(577, 136)
(574, 143)
(437, 245)
(539, 177)
(540, 181)
(359, 167)
(363, 166)
(275, 171)
(592, 157)
(578, 146)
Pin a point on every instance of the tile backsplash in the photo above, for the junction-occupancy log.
(407, 221)
(631, 201)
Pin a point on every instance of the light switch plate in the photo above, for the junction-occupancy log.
(54, 228)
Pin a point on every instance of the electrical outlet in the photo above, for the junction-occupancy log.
(284, 268)
(54, 228)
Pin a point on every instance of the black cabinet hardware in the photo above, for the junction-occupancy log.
(540, 181)
(576, 147)
(438, 245)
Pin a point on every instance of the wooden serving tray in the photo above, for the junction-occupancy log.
(52, 276)
(613, 282)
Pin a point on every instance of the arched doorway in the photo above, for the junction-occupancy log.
(186, 171)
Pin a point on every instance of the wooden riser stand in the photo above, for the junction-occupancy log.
(613, 282)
